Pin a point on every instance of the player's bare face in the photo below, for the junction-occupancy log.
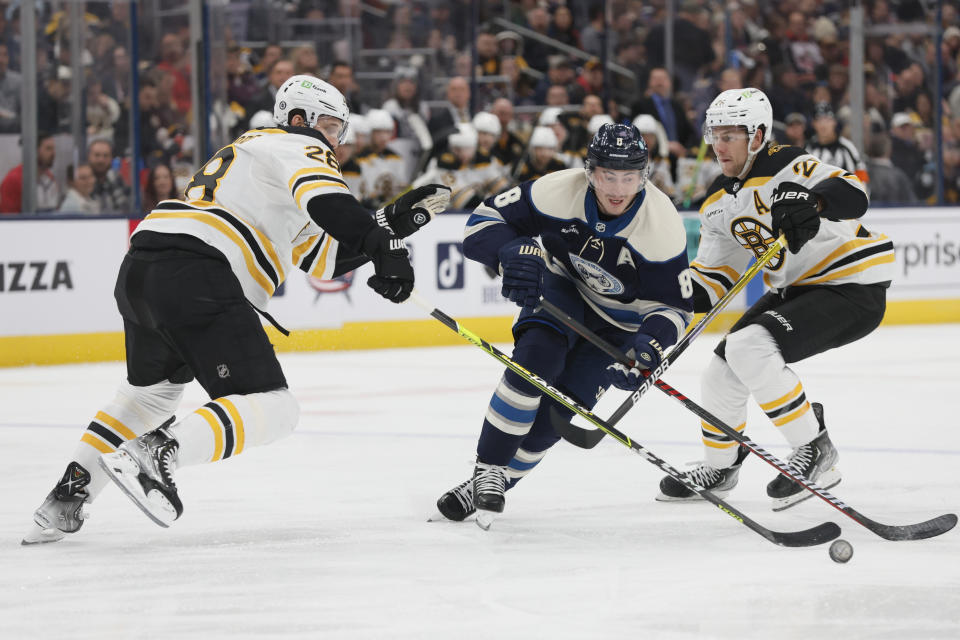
(615, 189)
(730, 147)
(330, 128)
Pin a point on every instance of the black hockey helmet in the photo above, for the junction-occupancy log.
(617, 146)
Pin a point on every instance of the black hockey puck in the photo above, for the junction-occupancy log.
(841, 551)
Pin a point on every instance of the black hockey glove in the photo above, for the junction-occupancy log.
(647, 354)
(393, 278)
(521, 267)
(414, 209)
(795, 214)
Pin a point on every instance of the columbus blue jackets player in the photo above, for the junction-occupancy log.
(614, 257)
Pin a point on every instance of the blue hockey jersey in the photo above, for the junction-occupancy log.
(632, 269)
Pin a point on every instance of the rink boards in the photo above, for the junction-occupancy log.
(57, 278)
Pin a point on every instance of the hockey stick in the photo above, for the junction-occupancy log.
(701, 153)
(589, 438)
(809, 537)
(921, 530)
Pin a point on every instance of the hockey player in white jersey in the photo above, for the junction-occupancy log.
(190, 289)
(614, 257)
(828, 290)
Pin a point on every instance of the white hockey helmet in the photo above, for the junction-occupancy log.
(261, 119)
(486, 122)
(379, 120)
(358, 124)
(314, 97)
(543, 137)
(645, 123)
(748, 108)
(465, 137)
(549, 116)
(598, 121)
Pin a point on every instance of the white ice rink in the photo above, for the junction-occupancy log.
(324, 534)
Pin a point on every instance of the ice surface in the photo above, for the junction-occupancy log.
(324, 534)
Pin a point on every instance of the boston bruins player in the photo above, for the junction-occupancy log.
(189, 290)
(828, 290)
(613, 257)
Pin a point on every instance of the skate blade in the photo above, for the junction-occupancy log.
(39, 535)
(695, 498)
(123, 470)
(485, 519)
(828, 480)
(439, 517)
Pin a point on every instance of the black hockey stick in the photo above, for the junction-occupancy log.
(589, 438)
(921, 530)
(809, 537)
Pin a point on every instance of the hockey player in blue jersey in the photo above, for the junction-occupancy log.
(613, 255)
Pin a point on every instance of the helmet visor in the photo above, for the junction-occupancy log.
(727, 134)
(618, 183)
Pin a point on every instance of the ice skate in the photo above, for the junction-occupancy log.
(816, 461)
(719, 482)
(63, 511)
(143, 469)
(457, 504)
(489, 486)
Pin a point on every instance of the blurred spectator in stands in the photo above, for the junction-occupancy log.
(693, 48)
(829, 146)
(103, 112)
(116, 76)
(630, 55)
(591, 79)
(535, 52)
(950, 54)
(349, 167)
(906, 154)
(80, 183)
(591, 38)
(10, 85)
(305, 61)
(907, 85)
(508, 148)
(174, 62)
(341, 77)
(888, 184)
(464, 169)
(443, 120)
(384, 171)
(824, 32)
(405, 102)
(804, 52)
(488, 131)
(557, 96)
(48, 191)
(785, 94)
(158, 186)
(509, 43)
(838, 81)
(951, 161)
(623, 28)
(924, 109)
(560, 72)
(661, 163)
(669, 112)
(271, 53)
(53, 105)
(241, 83)
(488, 54)
(110, 190)
(578, 134)
(280, 72)
(796, 130)
(541, 157)
(562, 29)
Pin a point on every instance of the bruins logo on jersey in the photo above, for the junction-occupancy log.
(756, 237)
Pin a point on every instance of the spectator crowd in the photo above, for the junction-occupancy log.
(510, 103)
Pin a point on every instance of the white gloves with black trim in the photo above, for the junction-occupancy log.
(414, 209)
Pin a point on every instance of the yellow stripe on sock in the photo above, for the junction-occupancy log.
(797, 390)
(211, 419)
(115, 424)
(96, 443)
(237, 423)
(719, 445)
(793, 415)
(712, 429)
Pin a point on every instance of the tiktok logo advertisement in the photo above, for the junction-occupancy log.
(450, 265)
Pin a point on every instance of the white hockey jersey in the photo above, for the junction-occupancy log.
(736, 226)
(249, 201)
